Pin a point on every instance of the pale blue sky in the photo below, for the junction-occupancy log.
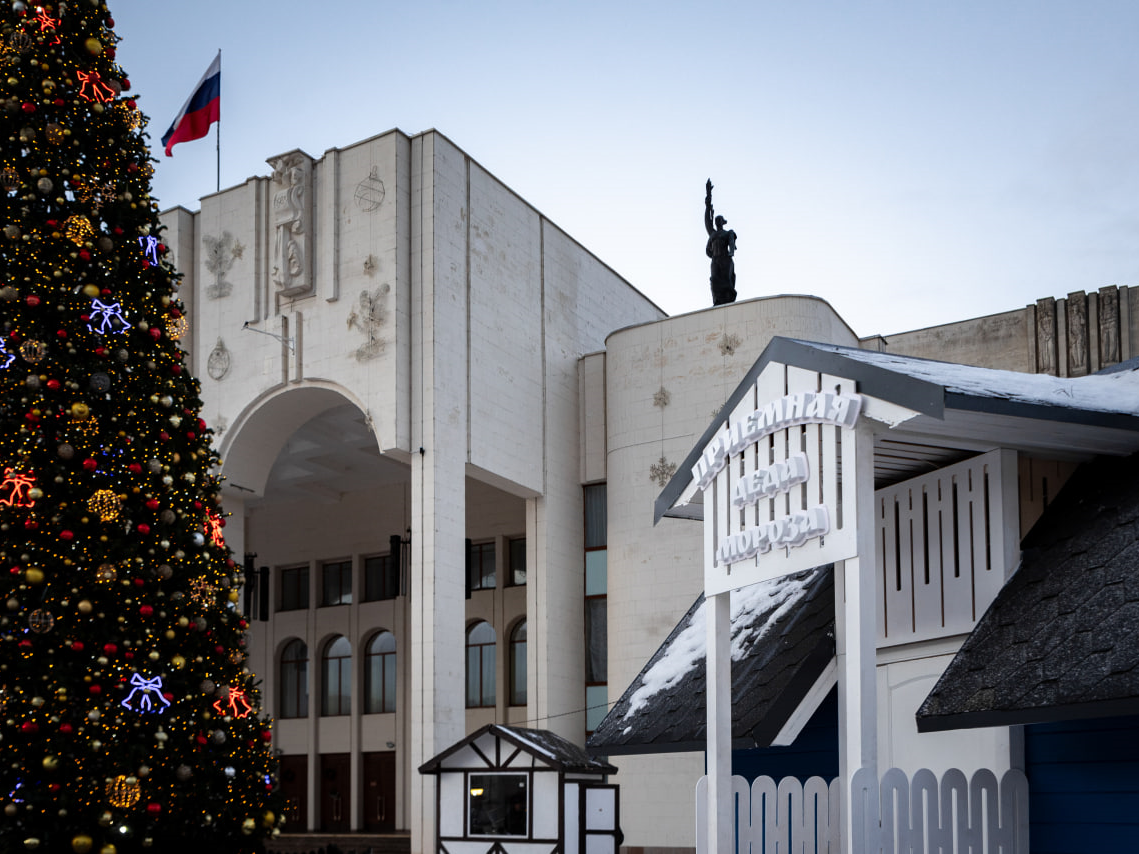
(912, 162)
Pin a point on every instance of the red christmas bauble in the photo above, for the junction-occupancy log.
(32, 300)
(66, 535)
(143, 528)
(146, 610)
(30, 727)
(154, 808)
(90, 464)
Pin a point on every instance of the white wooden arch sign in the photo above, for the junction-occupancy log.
(771, 478)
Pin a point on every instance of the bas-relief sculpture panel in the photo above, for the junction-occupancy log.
(290, 267)
(1081, 334)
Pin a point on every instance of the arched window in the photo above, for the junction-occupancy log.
(379, 674)
(294, 680)
(336, 678)
(518, 665)
(480, 666)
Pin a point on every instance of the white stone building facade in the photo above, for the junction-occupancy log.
(415, 379)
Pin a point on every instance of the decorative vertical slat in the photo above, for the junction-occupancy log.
(898, 616)
(927, 572)
(966, 564)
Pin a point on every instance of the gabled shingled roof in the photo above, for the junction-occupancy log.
(548, 747)
(782, 641)
(1061, 640)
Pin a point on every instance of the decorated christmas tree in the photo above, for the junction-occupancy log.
(128, 721)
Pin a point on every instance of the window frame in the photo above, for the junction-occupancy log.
(477, 579)
(514, 696)
(299, 697)
(511, 570)
(342, 569)
(387, 659)
(387, 578)
(487, 651)
(341, 704)
(294, 588)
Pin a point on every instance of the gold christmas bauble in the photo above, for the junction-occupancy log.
(34, 575)
(81, 843)
(123, 791)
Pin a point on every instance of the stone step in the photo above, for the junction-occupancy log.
(345, 843)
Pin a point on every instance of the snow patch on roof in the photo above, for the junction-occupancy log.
(754, 612)
(1115, 392)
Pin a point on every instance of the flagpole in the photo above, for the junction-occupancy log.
(218, 137)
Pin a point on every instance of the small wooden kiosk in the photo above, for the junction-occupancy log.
(523, 791)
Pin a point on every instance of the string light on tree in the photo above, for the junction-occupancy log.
(110, 531)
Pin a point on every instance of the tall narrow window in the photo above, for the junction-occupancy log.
(596, 606)
(336, 678)
(336, 578)
(481, 571)
(516, 557)
(518, 665)
(480, 665)
(294, 588)
(381, 578)
(379, 674)
(294, 680)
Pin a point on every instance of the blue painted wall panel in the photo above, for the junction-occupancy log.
(1083, 782)
(814, 753)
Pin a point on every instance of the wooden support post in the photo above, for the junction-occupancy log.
(856, 638)
(718, 686)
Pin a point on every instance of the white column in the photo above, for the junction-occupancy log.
(436, 610)
(856, 636)
(718, 684)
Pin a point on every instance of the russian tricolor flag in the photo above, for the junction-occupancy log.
(201, 109)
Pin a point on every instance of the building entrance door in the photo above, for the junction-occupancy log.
(294, 786)
(379, 792)
(335, 792)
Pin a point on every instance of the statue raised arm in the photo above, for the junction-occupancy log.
(721, 247)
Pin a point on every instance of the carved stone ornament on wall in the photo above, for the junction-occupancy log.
(217, 365)
(728, 344)
(1109, 326)
(1046, 335)
(662, 471)
(1077, 334)
(292, 225)
(369, 316)
(221, 252)
(370, 192)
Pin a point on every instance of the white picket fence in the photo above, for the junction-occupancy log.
(953, 815)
